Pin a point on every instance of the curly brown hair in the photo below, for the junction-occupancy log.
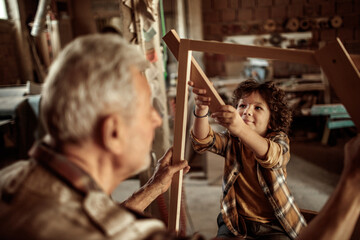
(280, 114)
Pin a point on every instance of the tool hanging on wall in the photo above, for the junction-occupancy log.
(336, 21)
(305, 24)
(321, 23)
(270, 25)
(292, 24)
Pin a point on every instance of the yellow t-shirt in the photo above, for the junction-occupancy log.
(251, 201)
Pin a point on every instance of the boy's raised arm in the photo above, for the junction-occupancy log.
(201, 112)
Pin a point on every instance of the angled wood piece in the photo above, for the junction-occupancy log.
(197, 75)
(343, 76)
(356, 60)
(179, 133)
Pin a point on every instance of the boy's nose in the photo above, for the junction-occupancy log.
(248, 112)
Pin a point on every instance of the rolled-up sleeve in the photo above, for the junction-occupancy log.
(278, 154)
(201, 145)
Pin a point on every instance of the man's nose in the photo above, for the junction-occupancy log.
(157, 120)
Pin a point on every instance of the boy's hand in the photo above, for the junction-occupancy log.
(201, 100)
(229, 117)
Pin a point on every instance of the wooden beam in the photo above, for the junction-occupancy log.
(274, 53)
(356, 59)
(179, 133)
(343, 76)
(197, 75)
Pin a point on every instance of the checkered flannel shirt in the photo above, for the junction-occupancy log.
(64, 168)
(271, 176)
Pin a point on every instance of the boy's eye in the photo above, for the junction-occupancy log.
(242, 105)
(258, 108)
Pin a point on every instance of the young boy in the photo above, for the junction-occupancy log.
(256, 202)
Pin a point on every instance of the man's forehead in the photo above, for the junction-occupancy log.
(141, 82)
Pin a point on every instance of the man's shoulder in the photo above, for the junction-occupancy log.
(118, 221)
(27, 179)
(46, 206)
(13, 176)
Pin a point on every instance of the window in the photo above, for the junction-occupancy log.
(3, 11)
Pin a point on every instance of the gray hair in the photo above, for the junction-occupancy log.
(89, 78)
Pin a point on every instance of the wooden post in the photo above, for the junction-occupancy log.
(343, 76)
(179, 132)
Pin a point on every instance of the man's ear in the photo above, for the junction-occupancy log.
(112, 133)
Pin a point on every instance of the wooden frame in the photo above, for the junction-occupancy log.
(179, 135)
(196, 73)
(337, 64)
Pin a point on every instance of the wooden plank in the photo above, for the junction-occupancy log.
(197, 75)
(343, 76)
(179, 133)
(274, 53)
(356, 60)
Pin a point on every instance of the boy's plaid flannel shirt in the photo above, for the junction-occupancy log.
(272, 180)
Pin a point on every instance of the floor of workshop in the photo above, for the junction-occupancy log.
(313, 173)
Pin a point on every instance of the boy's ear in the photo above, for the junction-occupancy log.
(112, 133)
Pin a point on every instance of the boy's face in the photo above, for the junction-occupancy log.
(255, 112)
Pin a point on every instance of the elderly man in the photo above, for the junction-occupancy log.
(97, 109)
(96, 106)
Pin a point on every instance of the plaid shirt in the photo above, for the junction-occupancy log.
(50, 197)
(61, 166)
(271, 174)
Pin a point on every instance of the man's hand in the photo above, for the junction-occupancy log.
(338, 217)
(157, 184)
(352, 156)
(164, 171)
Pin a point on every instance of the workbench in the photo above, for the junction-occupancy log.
(19, 114)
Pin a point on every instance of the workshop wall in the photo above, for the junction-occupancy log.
(9, 71)
(326, 19)
(15, 59)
